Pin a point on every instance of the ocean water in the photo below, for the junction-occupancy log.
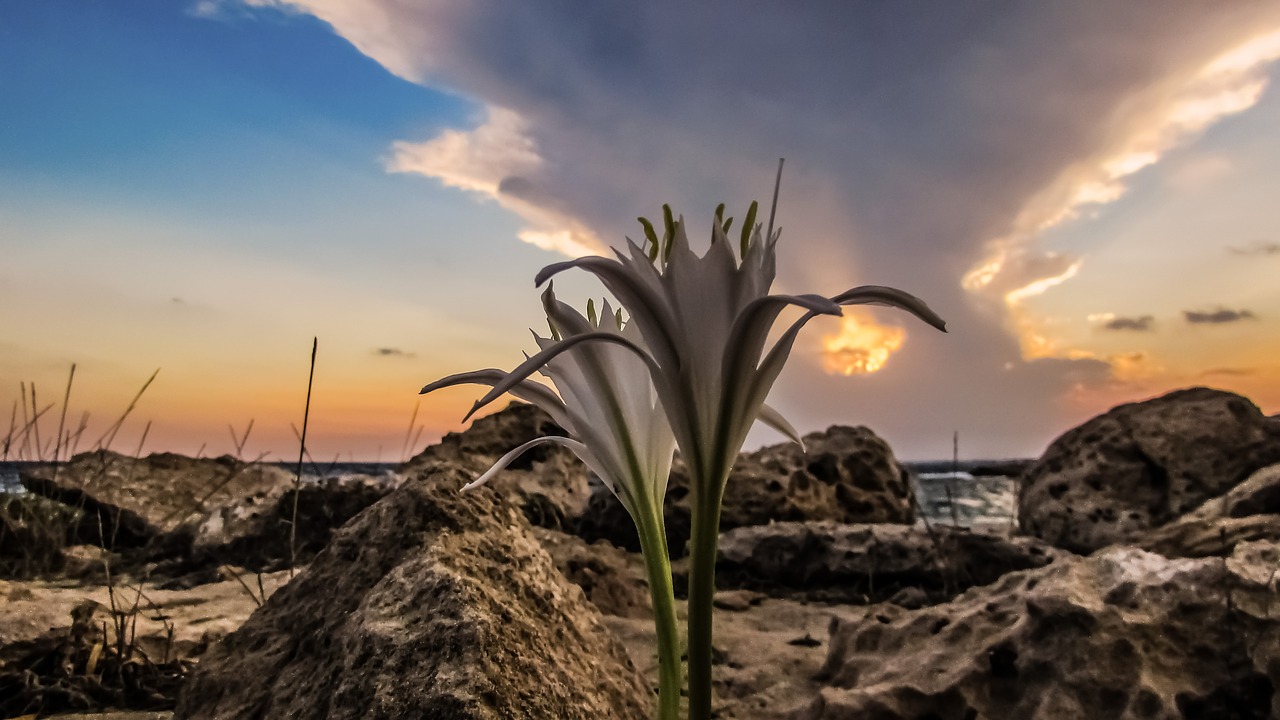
(958, 498)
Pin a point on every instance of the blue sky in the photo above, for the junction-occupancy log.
(204, 186)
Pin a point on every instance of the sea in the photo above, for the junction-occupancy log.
(947, 492)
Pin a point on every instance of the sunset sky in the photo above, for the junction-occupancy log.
(1086, 191)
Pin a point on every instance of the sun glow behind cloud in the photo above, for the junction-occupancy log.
(862, 346)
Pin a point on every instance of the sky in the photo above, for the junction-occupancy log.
(1085, 190)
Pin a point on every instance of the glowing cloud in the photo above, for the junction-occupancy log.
(477, 160)
(496, 160)
(1166, 117)
(861, 347)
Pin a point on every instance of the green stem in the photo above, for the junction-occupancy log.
(653, 545)
(702, 589)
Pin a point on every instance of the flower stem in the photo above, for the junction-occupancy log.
(705, 535)
(657, 561)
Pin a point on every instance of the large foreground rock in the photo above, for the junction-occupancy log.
(548, 482)
(845, 474)
(837, 562)
(430, 604)
(132, 502)
(1142, 465)
(1122, 635)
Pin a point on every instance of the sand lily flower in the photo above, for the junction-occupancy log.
(605, 399)
(706, 321)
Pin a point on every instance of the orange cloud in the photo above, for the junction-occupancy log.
(862, 346)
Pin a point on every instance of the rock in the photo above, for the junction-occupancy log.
(1248, 512)
(1142, 465)
(133, 502)
(836, 562)
(1122, 634)
(548, 482)
(254, 532)
(846, 474)
(1258, 495)
(33, 534)
(737, 600)
(612, 579)
(431, 603)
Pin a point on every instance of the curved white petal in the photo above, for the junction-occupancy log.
(533, 364)
(527, 390)
(577, 448)
(881, 295)
(775, 420)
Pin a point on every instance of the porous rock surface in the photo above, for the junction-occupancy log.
(430, 604)
(837, 562)
(612, 579)
(1142, 465)
(254, 532)
(132, 502)
(547, 482)
(845, 474)
(1247, 512)
(1123, 634)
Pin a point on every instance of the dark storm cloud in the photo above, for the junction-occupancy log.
(915, 133)
(1216, 317)
(1145, 323)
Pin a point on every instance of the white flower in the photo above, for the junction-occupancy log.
(706, 322)
(606, 402)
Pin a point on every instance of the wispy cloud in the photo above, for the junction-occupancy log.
(1255, 248)
(1228, 372)
(1217, 317)
(1143, 323)
(393, 352)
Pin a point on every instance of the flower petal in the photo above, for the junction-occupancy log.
(774, 419)
(533, 364)
(578, 449)
(642, 301)
(746, 343)
(527, 390)
(881, 295)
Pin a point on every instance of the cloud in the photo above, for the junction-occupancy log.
(1216, 317)
(935, 146)
(1228, 372)
(495, 160)
(1144, 323)
(1255, 248)
(393, 352)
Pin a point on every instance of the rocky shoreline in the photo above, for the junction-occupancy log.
(1141, 582)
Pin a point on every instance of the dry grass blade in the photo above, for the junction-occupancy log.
(13, 426)
(302, 451)
(62, 419)
(408, 434)
(109, 436)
